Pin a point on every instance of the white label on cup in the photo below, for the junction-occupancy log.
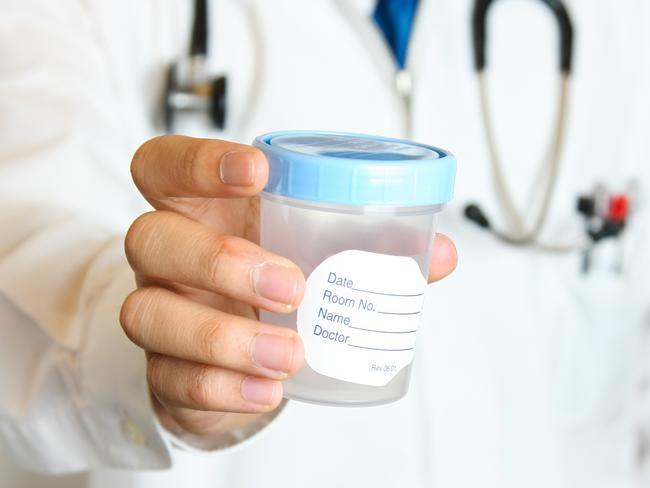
(360, 314)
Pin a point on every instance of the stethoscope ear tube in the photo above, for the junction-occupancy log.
(479, 17)
(521, 234)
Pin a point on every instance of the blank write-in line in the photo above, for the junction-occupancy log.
(387, 294)
(379, 349)
(385, 331)
(399, 313)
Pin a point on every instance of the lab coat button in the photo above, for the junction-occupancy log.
(132, 433)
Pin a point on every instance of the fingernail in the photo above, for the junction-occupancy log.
(259, 390)
(273, 352)
(275, 282)
(237, 169)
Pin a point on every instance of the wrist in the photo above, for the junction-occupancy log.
(210, 431)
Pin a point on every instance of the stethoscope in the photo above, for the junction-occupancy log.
(522, 233)
(189, 89)
(605, 214)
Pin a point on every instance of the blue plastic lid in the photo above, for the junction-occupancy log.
(356, 169)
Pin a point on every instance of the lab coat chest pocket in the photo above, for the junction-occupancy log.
(596, 366)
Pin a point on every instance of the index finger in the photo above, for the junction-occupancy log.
(180, 166)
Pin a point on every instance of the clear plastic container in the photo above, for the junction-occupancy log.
(357, 214)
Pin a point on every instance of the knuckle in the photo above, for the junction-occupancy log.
(211, 339)
(205, 150)
(155, 376)
(139, 159)
(138, 234)
(217, 256)
(127, 313)
(134, 310)
(189, 162)
(203, 388)
(137, 162)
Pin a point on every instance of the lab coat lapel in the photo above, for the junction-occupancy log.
(358, 13)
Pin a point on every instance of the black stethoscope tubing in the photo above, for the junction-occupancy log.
(479, 30)
(519, 235)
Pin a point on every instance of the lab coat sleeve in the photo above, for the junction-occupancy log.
(73, 394)
(72, 388)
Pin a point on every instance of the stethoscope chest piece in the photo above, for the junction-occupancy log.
(188, 89)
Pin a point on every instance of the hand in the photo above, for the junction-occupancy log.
(211, 365)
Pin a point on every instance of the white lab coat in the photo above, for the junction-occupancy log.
(527, 372)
